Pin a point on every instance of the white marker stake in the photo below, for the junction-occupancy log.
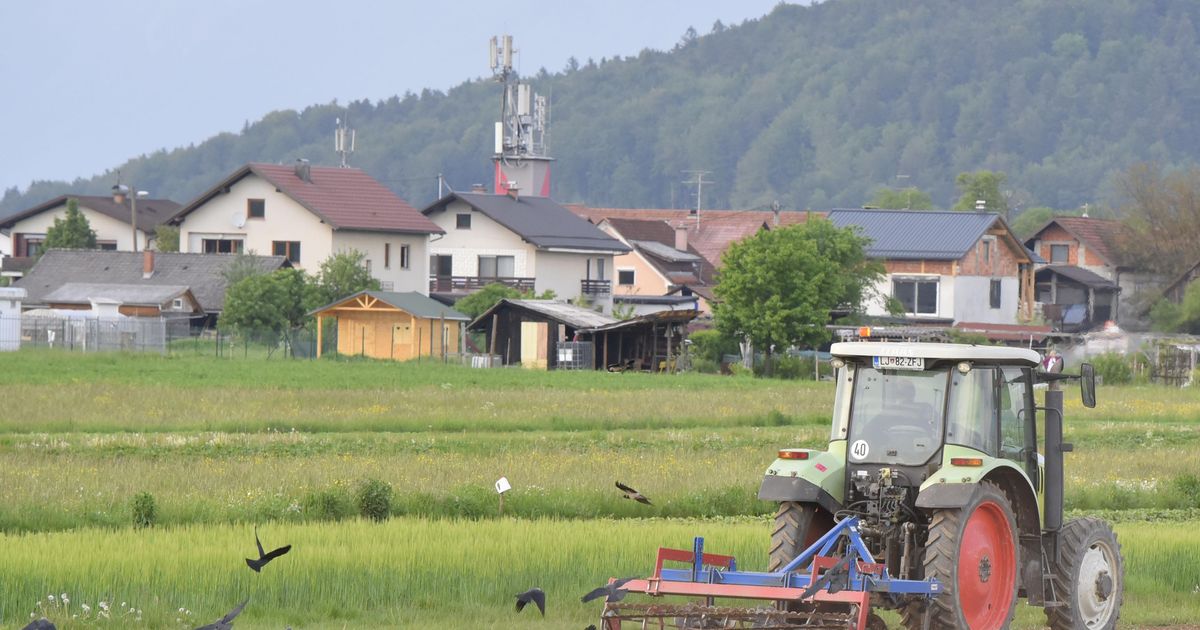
(502, 486)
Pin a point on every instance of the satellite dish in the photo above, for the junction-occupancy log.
(239, 220)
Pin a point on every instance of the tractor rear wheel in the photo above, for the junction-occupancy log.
(1089, 577)
(973, 552)
(797, 525)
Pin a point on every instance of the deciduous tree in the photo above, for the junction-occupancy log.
(71, 231)
(343, 274)
(910, 198)
(983, 186)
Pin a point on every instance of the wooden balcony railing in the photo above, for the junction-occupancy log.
(467, 284)
(595, 287)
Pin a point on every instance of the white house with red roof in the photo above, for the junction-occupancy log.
(308, 213)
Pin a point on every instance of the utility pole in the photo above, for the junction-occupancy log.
(907, 193)
(697, 179)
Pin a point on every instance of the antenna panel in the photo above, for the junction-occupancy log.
(523, 99)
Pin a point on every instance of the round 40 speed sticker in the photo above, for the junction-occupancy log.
(859, 450)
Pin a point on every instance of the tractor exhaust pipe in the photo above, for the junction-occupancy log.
(1055, 447)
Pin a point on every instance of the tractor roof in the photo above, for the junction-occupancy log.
(951, 351)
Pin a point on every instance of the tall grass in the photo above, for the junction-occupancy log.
(419, 573)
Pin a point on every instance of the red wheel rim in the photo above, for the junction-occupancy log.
(987, 568)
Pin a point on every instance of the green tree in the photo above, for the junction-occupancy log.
(256, 304)
(480, 301)
(71, 231)
(344, 274)
(912, 198)
(1162, 217)
(241, 266)
(166, 238)
(1169, 317)
(778, 287)
(983, 186)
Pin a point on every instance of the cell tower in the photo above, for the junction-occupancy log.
(343, 142)
(521, 132)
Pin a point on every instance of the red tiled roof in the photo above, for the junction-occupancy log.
(1097, 234)
(345, 198)
(634, 230)
(715, 231)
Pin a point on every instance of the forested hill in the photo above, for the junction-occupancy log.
(811, 106)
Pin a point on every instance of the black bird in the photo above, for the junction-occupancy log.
(591, 627)
(263, 556)
(630, 493)
(40, 624)
(611, 592)
(226, 622)
(534, 595)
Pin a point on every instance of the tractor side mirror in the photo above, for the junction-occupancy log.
(1087, 385)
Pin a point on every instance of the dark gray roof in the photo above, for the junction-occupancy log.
(202, 273)
(539, 220)
(132, 294)
(151, 212)
(917, 234)
(410, 302)
(1078, 274)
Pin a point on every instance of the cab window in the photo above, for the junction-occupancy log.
(971, 420)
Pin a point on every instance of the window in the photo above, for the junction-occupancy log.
(27, 246)
(987, 251)
(625, 277)
(110, 246)
(462, 221)
(1059, 253)
(994, 296)
(387, 255)
(972, 416)
(256, 208)
(289, 249)
(404, 256)
(919, 297)
(367, 265)
(1015, 438)
(497, 266)
(177, 304)
(600, 268)
(441, 265)
(221, 246)
(899, 414)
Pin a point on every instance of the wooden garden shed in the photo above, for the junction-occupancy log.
(396, 326)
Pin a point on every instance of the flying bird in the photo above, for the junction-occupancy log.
(226, 622)
(611, 592)
(263, 556)
(630, 493)
(534, 595)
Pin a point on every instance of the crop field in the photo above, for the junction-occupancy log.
(224, 444)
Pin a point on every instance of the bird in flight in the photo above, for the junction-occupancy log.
(263, 556)
(611, 592)
(534, 595)
(226, 622)
(630, 493)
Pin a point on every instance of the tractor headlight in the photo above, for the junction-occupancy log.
(837, 363)
(964, 367)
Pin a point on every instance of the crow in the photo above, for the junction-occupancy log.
(534, 595)
(611, 592)
(630, 493)
(40, 624)
(226, 622)
(263, 556)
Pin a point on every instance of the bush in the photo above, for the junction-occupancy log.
(374, 499)
(711, 345)
(1112, 368)
(145, 510)
(330, 504)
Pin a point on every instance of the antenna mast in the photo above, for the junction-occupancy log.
(697, 180)
(521, 133)
(343, 141)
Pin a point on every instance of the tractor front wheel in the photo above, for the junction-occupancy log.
(1089, 577)
(973, 552)
(797, 525)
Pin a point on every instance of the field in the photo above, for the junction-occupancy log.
(222, 444)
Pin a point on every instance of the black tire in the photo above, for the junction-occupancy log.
(1089, 577)
(875, 622)
(944, 556)
(797, 525)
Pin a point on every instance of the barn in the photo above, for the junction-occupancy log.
(395, 326)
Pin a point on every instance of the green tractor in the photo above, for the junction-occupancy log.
(955, 473)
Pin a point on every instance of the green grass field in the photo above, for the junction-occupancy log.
(223, 443)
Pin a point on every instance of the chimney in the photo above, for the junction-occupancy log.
(303, 170)
(147, 264)
(478, 188)
(512, 191)
(681, 238)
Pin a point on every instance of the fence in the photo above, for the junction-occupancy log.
(94, 334)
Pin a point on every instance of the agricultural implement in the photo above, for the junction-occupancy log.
(939, 496)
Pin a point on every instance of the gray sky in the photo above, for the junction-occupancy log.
(89, 84)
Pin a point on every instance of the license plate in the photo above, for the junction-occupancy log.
(900, 363)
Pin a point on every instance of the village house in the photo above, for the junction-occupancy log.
(110, 218)
(946, 267)
(525, 242)
(660, 262)
(307, 214)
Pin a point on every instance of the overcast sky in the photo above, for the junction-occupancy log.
(88, 84)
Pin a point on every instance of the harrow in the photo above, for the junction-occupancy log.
(828, 586)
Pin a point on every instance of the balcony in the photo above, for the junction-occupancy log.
(595, 287)
(468, 284)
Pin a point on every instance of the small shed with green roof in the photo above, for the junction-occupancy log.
(389, 325)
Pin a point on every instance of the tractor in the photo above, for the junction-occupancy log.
(939, 496)
(954, 474)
